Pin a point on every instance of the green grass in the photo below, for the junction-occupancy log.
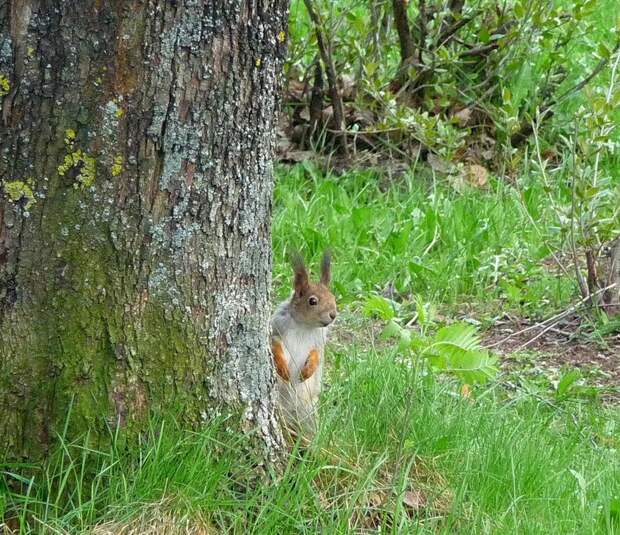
(495, 463)
(423, 236)
(501, 461)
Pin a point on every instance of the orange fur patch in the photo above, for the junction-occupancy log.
(312, 363)
(280, 360)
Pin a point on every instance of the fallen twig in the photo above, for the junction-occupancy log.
(547, 111)
(549, 323)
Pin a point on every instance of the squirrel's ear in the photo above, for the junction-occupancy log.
(326, 268)
(301, 281)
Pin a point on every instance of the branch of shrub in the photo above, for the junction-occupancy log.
(547, 112)
(330, 70)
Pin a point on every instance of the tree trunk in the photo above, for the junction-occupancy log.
(135, 238)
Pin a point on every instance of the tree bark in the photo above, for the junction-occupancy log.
(135, 205)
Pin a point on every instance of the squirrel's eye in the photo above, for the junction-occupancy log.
(313, 300)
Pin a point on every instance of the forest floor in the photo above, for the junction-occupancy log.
(434, 221)
(525, 350)
(558, 348)
(402, 447)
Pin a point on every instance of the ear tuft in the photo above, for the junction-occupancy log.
(326, 269)
(301, 280)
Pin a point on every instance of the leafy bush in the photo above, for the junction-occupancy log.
(463, 79)
(454, 349)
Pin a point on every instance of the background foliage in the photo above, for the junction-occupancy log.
(468, 190)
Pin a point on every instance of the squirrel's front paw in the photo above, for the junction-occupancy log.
(312, 363)
(279, 359)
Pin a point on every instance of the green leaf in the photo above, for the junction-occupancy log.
(398, 240)
(470, 366)
(582, 486)
(418, 267)
(405, 340)
(567, 380)
(391, 330)
(513, 293)
(456, 350)
(380, 307)
(614, 508)
(418, 344)
(462, 335)
(370, 68)
(603, 51)
(421, 312)
(361, 216)
(519, 10)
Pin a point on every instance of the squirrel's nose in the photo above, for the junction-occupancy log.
(332, 315)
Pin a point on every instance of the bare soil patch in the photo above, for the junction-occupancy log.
(563, 346)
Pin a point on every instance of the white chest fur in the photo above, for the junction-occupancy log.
(298, 398)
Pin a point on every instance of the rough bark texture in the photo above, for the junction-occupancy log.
(136, 276)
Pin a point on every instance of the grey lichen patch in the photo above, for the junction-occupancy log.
(171, 170)
(161, 287)
(110, 153)
(157, 122)
(112, 113)
(164, 78)
(183, 235)
(6, 52)
(239, 330)
(189, 33)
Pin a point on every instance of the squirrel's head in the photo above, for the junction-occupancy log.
(313, 303)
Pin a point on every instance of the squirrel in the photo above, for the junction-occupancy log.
(299, 328)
